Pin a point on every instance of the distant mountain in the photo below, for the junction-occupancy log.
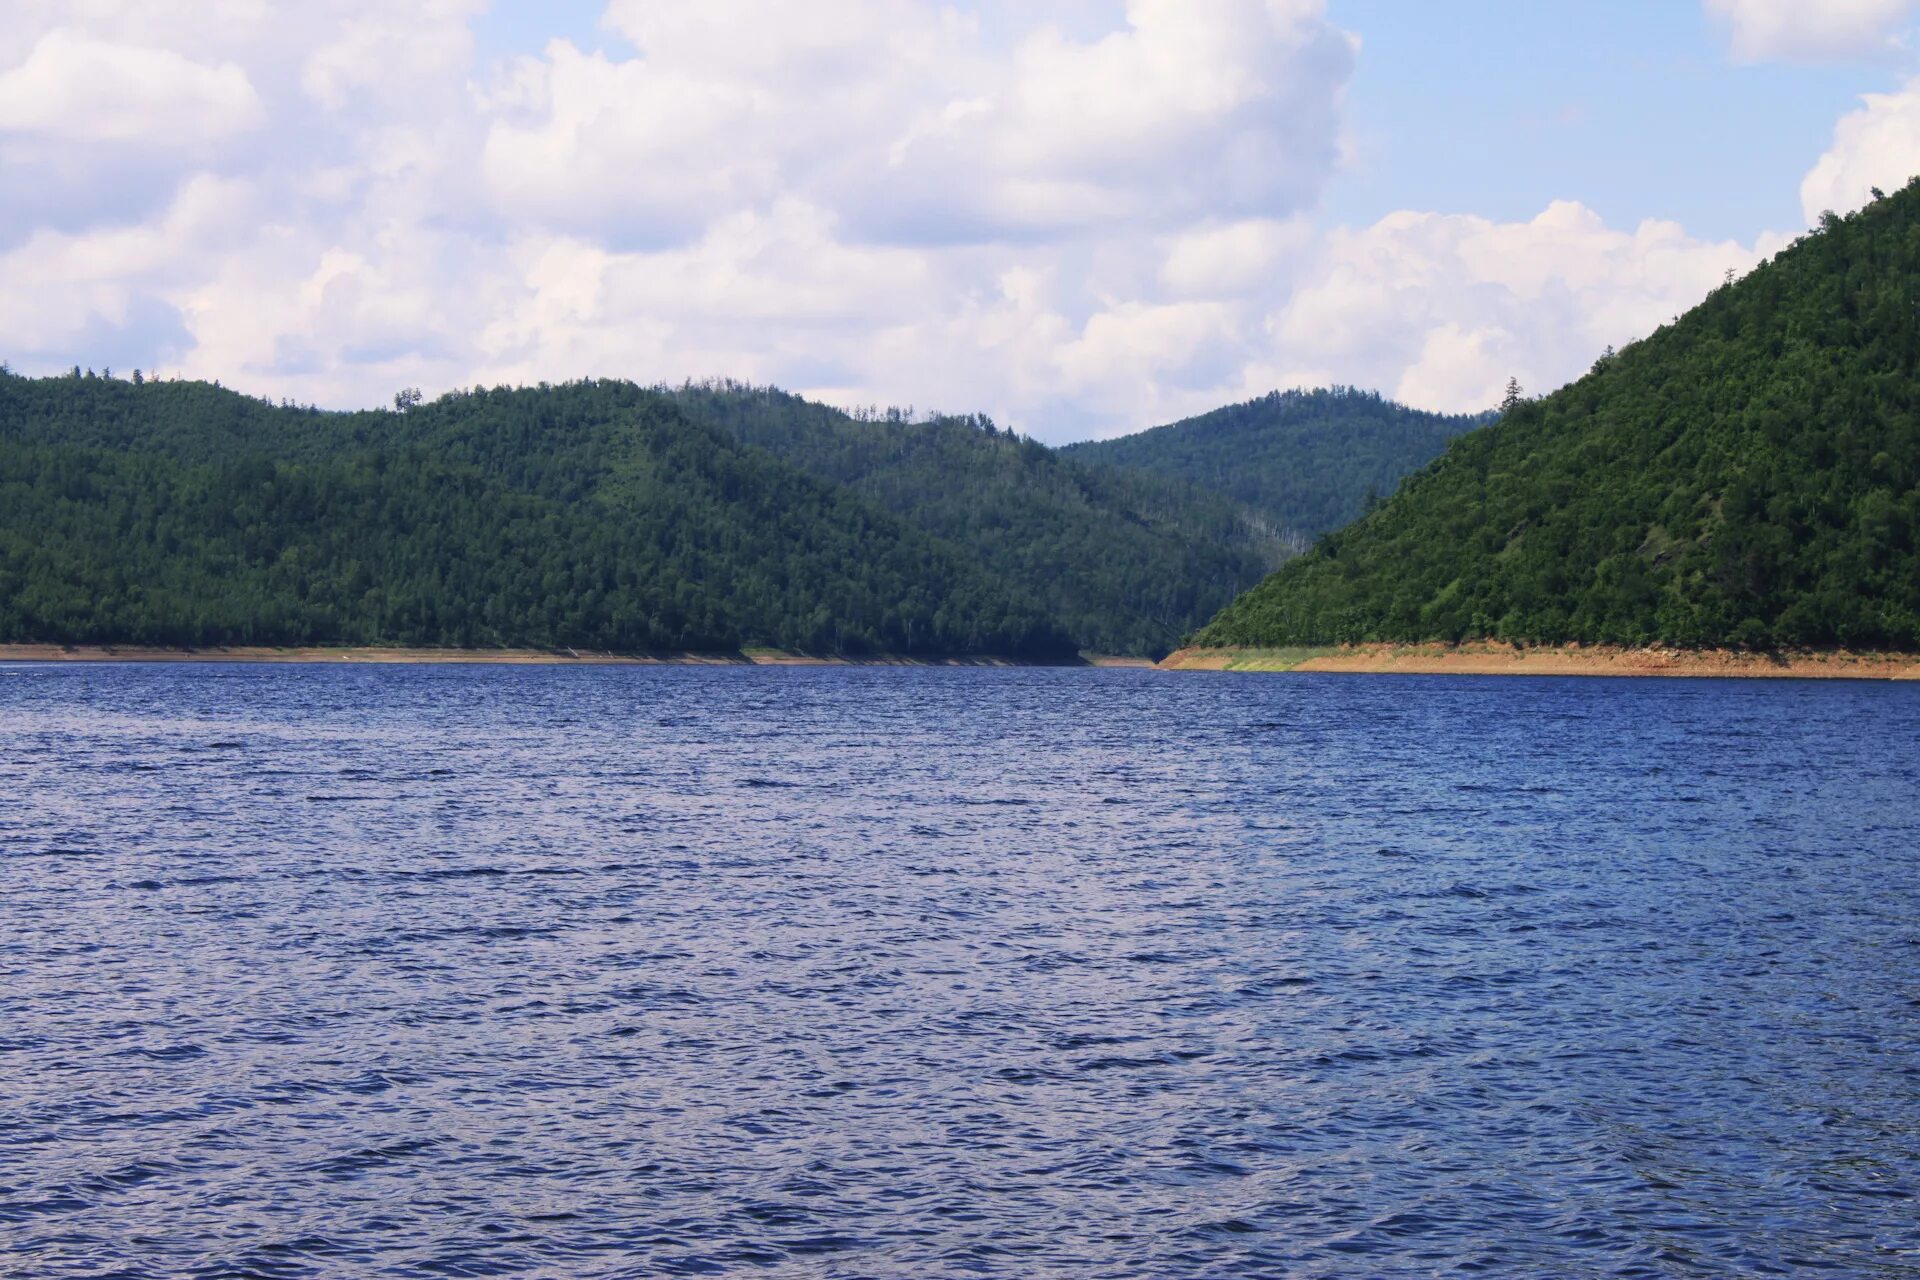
(594, 514)
(600, 514)
(1126, 561)
(1305, 461)
(1748, 476)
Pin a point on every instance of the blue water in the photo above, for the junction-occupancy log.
(825, 972)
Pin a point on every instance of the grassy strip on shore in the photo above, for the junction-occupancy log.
(1493, 658)
(1241, 659)
(501, 657)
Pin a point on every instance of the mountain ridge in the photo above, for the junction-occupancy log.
(1126, 561)
(1306, 460)
(590, 514)
(598, 514)
(1747, 476)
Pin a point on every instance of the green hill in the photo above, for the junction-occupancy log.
(1305, 461)
(1126, 561)
(1747, 476)
(594, 514)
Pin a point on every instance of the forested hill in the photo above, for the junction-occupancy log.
(1748, 476)
(594, 514)
(1306, 461)
(1127, 561)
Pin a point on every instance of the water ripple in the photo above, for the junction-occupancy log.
(848, 973)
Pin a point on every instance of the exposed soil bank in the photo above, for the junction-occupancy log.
(1487, 658)
(509, 657)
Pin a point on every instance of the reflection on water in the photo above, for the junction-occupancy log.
(816, 972)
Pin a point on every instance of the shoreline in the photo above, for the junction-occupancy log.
(1473, 658)
(396, 654)
(1494, 658)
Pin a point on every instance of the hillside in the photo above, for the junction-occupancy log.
(1748, 476)
(594, 514)
(1305, 461)
(1126, 561)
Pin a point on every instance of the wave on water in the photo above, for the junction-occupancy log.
(846, 972)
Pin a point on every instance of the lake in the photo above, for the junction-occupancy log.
(355, 971)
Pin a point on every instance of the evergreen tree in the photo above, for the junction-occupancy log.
(1298, 462)
(1747, 476)
(593, 515)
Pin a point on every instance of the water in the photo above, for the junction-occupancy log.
(816, 972)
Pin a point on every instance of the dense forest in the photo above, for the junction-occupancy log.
(1303, 461)
(1747, 476)
(1126, 561)
(603, 515)
(594, 514)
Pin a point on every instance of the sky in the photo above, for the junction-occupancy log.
(1082, 217)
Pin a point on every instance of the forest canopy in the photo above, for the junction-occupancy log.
(1747, 476)
(1126, 561)
(1302, 461)
(605, 515)
(594, 514)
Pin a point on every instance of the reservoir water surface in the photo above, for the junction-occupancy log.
(394, 971)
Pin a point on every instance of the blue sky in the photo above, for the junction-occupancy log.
(1631, 107)
(509, 30)
(1499, 106)
(1082, 216)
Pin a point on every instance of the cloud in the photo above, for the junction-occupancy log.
(780, 278)
(1877, 145)
(73, 87)
(1189, 112)
(399, 58)
(620, 149)
(1439, 310)
(1059, 211)
(1813, 30)
(1225, 259)
(1080, 216)
(58, 289)
(914, 128)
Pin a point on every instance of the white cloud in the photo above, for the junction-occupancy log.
(1137, 355)
(1060, 212)
(74, 87)
(619, 148)
(1812, 30)
(1077, 215)
(781, 277)
(1878, 145)
(113, 295)
(1439, 310)
(1192, 111)
(904, 119)
(393, 55)
(1228, 259)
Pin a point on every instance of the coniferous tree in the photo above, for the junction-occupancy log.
(1747, 476)
(593, 515)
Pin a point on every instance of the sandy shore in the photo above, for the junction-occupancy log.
(506, 657)
(261, 653)
(1493, 659)
(1476, 659)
